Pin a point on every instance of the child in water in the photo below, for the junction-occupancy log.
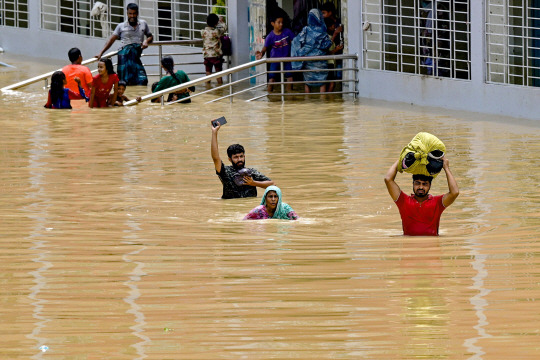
(102, 85)
(120, 98)
(59, 96)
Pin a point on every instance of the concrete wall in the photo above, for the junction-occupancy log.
(473, 95)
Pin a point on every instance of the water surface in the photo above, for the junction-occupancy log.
(115, 244)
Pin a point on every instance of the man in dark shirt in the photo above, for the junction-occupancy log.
(227, 174)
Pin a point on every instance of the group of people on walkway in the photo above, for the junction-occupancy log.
(420, 212)
(323, 35)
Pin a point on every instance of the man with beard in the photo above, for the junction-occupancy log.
(421, 212)
(131, 32)
(238, 182)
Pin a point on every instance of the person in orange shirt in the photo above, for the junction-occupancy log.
(77, 70)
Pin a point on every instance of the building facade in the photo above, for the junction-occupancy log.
(481, 56)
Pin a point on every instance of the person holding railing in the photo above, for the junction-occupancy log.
(172, 79)
(312, 41)
(132, 33)
(278, 41)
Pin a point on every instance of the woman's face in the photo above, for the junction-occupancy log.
(272, 199)
(101, 68)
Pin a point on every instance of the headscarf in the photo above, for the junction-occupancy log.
(312, 40)
(282, 209)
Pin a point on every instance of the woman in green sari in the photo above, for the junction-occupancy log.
(272, 207)
(171, 79)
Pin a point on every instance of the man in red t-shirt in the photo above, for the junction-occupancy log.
(77, 70)
(421, 212)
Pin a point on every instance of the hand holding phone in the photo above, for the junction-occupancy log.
(221, 121)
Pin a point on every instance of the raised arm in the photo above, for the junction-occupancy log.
(389, 180)
(109, 43)
(214, 149)
(453, 190)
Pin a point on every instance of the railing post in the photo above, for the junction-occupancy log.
(230, 88)
(160, 55)
(355, 89)
(46, 83)
(282, 77)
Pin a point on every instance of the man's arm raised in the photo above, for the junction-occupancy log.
(453, 192)
(389, 180)
(214, 150)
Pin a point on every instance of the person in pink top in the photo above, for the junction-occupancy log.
(103, 83)
(421, 212)
(77, 70)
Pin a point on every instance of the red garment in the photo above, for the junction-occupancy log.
(420, 218)
(101, 95)
(82, 72)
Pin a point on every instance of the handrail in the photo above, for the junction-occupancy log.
(175, 42)
(47, 75)
(93, 60)
(235, 70)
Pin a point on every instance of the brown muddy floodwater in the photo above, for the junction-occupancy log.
(115, 243)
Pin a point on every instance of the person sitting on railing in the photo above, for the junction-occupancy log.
(59, 96)
(132, 33)
(211, 35)
(278, 41)
(312, 41)
(172, 79)
(76, 70)
(102, 85)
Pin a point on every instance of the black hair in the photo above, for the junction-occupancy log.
(57, 86)
(108, 65)
(328, 6)
(276, 16)
(122, 83)
(133, 6)
(329, 22)
(422, 177)
(235, 149)
(154, 86)
(168, 63)
(212, 20)
(73, 54)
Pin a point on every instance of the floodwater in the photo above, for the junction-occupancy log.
(115, 243)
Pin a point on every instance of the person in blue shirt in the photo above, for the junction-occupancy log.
(278, 41)
(59, 96)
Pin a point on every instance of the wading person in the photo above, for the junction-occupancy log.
(238, 181)
(132, 34)
(421, 212)
(76, 70)
(272, 207)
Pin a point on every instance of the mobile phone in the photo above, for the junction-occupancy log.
(221, 121)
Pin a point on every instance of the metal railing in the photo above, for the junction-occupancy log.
(46, 76)
(160, 54)
(352, 69)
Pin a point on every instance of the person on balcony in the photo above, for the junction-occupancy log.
(312, 41)
(132, 34)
